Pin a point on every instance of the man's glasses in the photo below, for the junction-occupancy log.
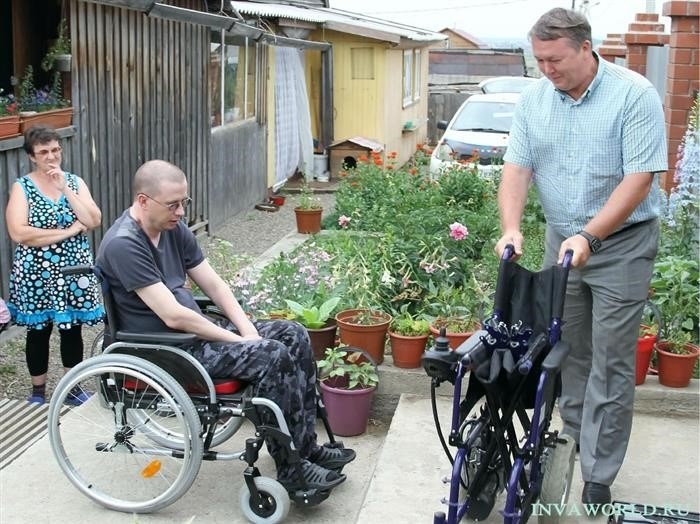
(174, 206)
(45, 152)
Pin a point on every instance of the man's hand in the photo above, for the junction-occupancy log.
(579, 246)
(510, 237)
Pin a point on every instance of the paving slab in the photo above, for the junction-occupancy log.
(661, 467)
(34, 490)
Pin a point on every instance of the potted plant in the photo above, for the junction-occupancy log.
(58, 56)
(347, 385)
(365, 328)
(675, 287)
(408, 336)
(308, 211)
(9, 116)
(318, 322)
(42, 106)
(648, 335)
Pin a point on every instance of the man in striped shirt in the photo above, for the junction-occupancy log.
(591, 137)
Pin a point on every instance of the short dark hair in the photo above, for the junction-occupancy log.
(39, 135)
(562, 23)
(152, 174)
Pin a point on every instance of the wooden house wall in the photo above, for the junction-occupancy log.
(140, 93)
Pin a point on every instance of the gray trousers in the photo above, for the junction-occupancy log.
(603, 309)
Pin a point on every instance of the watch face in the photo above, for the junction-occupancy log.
(595, 244)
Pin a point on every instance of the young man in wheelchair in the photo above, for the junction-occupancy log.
(146, 257)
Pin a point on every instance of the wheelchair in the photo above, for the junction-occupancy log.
(154, 414)
(501, 428)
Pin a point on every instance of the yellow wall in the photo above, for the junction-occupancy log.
(369, 107)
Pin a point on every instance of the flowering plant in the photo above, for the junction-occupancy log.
(32, 99)
(307, 200)
(8, 105)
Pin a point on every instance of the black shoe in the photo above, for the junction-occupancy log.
(595, 494)
(315, 476)
(331, 458)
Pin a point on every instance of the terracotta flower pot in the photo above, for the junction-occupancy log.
(56, 118)
(322, 338)
(675, 371)
(9, 126)
(455, 339)
(370, 336)
(308, 220)
(407, 351)
(645, 348)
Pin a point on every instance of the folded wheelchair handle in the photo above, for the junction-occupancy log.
(568, 256)
(525, 363)
(508, 252)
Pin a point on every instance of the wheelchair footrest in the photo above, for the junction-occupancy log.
(309, 498)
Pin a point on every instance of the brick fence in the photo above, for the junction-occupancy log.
(683, 71)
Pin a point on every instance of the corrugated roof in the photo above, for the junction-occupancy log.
(339, 20)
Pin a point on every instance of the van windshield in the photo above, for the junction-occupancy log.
(495, 117)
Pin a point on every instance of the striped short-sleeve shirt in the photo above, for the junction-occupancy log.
(580, 150)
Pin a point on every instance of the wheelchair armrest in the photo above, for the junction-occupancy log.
(203, 301)
(556, 356)
(156, 338)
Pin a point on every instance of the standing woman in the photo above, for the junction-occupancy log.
(48, 214)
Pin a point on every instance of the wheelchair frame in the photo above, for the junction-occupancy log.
(142, 419)
(529, 462)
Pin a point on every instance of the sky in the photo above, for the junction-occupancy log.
(499, 18)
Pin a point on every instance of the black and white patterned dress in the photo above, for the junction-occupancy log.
(39, 292)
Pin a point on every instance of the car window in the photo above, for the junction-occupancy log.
(485, 116)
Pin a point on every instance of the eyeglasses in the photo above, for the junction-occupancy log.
(45, 152)
(174, 206)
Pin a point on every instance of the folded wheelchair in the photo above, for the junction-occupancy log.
(501, 428)
(154, 414)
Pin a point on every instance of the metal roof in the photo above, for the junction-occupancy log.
(343, 21)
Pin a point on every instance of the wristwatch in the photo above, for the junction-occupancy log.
(594, 243)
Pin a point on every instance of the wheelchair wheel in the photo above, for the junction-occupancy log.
(96, 346)
(557, 471)
(160, 427)
(101, 446)
(275, 502)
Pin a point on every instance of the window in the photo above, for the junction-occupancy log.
(407, 77)
(232, 80)
(416, 76)
(362, 63)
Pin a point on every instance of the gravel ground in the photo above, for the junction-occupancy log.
(252, 233)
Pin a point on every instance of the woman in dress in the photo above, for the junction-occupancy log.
(48, 214)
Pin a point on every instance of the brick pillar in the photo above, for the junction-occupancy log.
(612, 47)
(682, 77)
(645, 31)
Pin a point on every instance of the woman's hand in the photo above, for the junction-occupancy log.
(57, 177)
(77, 227)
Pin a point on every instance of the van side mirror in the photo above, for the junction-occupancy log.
(442, 124)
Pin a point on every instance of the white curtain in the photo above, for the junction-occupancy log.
(293, 141)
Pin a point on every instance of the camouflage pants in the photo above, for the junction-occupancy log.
(282, 368)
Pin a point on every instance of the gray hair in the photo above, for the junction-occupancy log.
(562, 23)
(152, 174)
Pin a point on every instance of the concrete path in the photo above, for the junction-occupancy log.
(661, 467)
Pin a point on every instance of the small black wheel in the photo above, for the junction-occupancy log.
(275, 505)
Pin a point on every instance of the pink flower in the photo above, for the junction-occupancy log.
(343, 221)
(458, 231)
